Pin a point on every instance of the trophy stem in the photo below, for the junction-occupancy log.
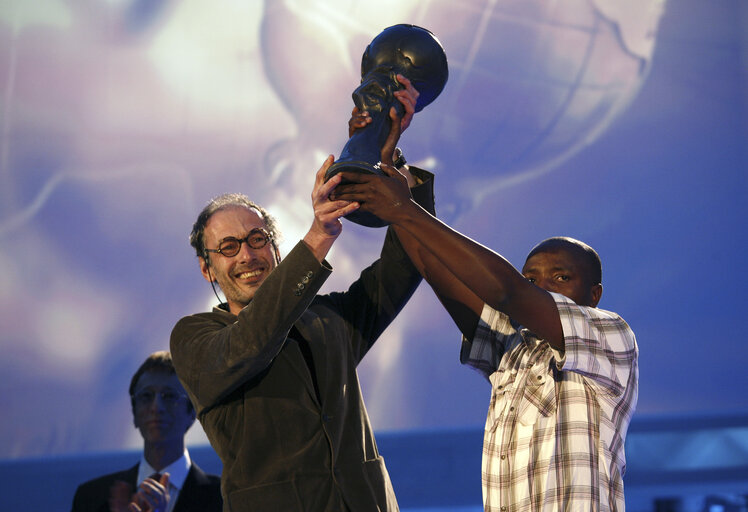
(362, 151)
(404, 49)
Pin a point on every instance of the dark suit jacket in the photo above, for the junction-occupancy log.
(201, 492)
(289, 441)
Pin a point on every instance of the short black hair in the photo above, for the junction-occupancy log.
(588, 254)
(157, 362)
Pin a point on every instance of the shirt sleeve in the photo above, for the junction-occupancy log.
(598, 344)
(483, 353)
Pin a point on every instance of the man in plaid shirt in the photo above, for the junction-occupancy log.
(559, 411)
(563, 372)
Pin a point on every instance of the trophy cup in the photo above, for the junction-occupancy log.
(411, 51)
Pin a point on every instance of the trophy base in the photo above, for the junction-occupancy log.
(352, 166)
(358, 217)
(366, 219)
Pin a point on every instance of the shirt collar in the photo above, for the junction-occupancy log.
(177, 470)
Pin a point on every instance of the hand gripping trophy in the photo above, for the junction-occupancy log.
(411, 51)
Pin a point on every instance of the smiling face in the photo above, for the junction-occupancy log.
(241, 275)
(160, 408)
(565, 271)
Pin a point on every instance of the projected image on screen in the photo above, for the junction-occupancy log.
(120, 120)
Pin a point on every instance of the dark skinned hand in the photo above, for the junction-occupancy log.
(386, 196)
(407, 96)
(373, 192)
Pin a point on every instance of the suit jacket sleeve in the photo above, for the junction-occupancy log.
(215, 353)
(383, 289)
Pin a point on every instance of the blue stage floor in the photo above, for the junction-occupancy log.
(674, 465)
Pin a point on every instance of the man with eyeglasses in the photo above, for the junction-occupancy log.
(272, 370)
(165, 479)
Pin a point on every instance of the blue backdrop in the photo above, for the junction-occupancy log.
(621, 124)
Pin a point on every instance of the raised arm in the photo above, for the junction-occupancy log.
(326, 226)
(459, 268)
(214, 353)
(460, 302)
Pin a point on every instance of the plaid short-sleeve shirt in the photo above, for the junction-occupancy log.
(556, 422)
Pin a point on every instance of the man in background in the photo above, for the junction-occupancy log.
(165, 479)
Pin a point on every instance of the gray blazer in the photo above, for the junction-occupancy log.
(290, 441)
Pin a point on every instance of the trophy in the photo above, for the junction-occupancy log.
(411, 51)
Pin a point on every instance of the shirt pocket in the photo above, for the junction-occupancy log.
(501, 393)
(539, 396)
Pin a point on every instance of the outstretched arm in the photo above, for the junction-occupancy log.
(462, 304)
(458, 268)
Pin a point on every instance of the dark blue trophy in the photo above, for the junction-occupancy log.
(411, 51)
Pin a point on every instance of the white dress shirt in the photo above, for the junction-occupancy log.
(177, 474)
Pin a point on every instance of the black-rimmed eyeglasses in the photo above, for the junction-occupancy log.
(230, 246)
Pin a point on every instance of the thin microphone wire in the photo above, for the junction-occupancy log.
(212, 282)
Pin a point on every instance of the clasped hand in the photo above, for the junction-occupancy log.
(152, 496)
(372, 193)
